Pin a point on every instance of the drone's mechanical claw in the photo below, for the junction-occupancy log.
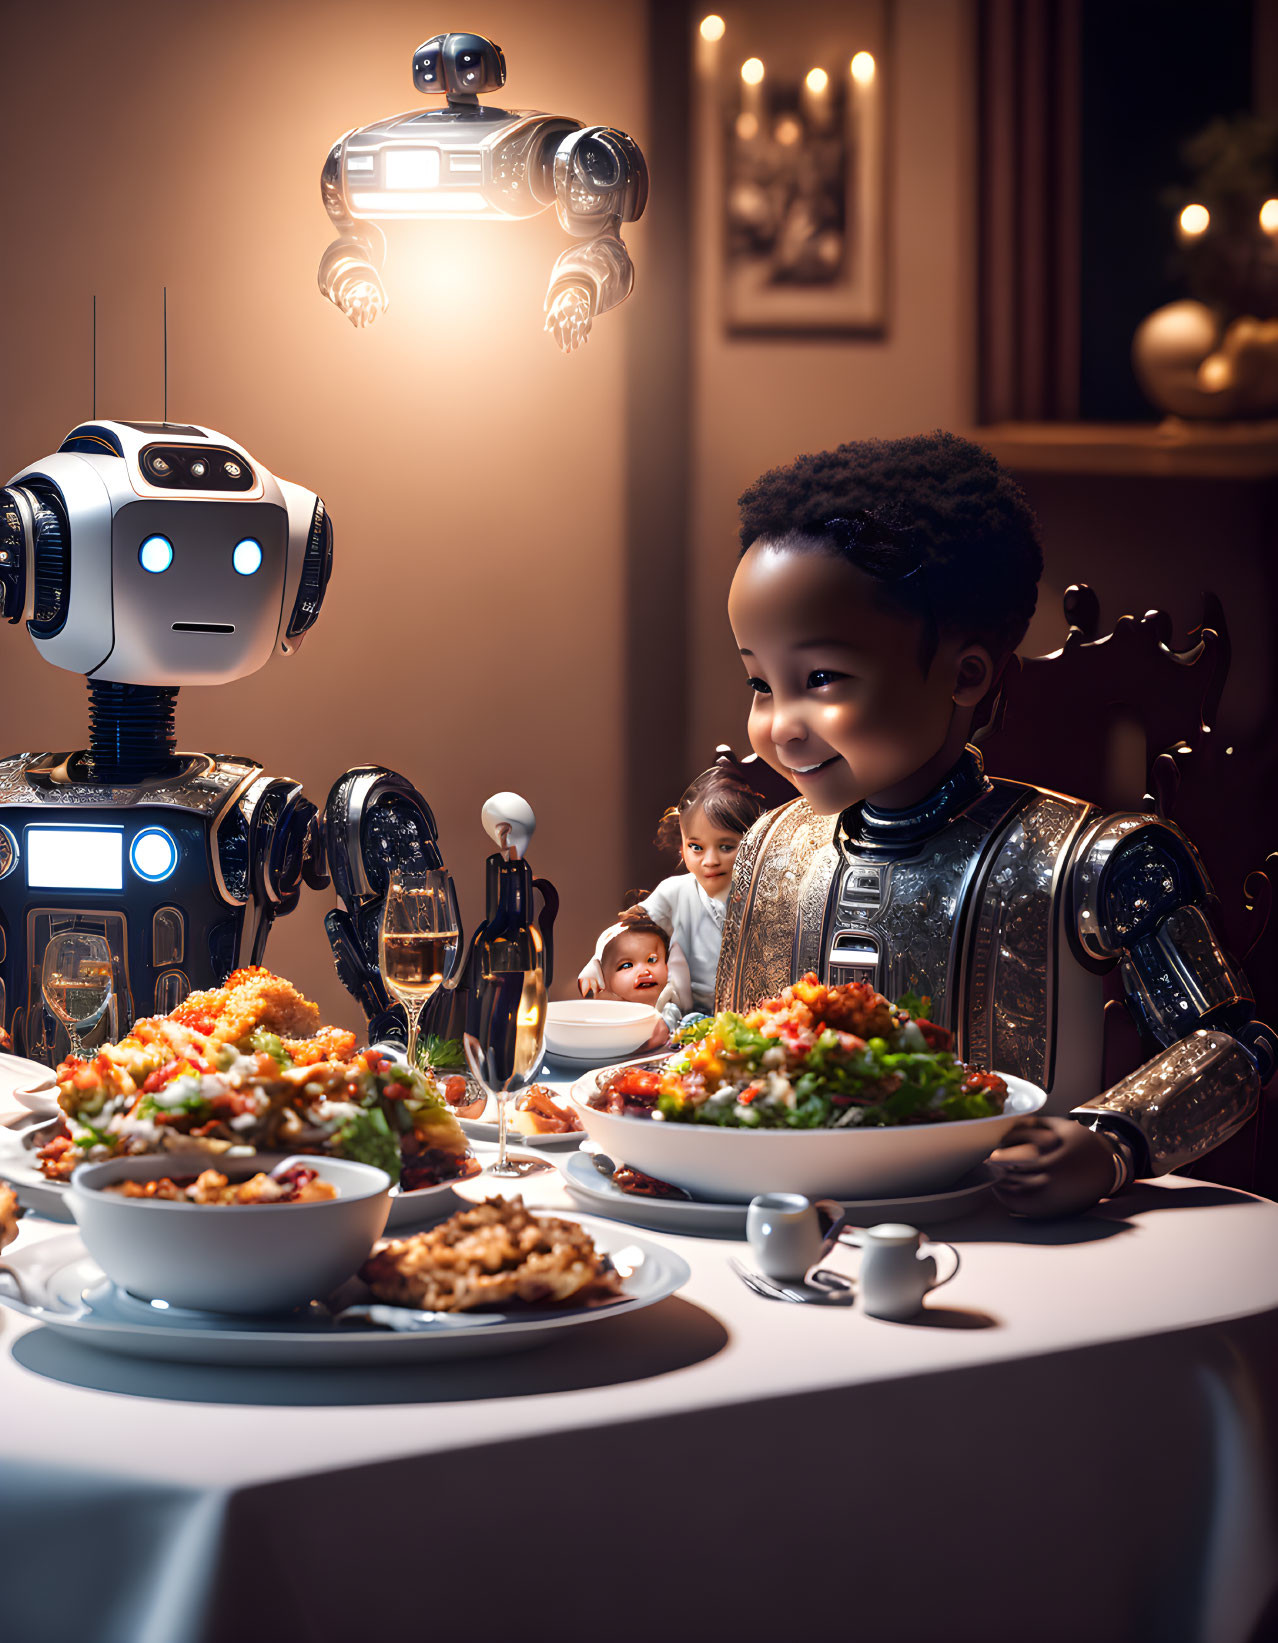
(569, 314)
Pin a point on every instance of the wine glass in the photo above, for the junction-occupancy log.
(77, 981)
(505, 1054)
(418, 946)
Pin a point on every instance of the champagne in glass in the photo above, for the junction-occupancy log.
(419, 942)
(505, 1053)
(77, 980)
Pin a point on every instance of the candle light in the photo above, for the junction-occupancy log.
(1193, 221)
(1269, 216)
(752, 76)
(713, 27)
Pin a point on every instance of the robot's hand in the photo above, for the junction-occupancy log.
(569, 313)
(363, 300)
(350, 281)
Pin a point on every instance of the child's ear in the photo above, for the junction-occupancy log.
(973, 675)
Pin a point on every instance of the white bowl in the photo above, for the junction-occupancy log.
(598, 1029)
(731, 1166)
(229, 1257)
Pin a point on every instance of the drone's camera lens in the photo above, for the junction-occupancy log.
(232, 470)
(199, 469)
(158, 465)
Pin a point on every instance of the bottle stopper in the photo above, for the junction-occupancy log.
(509, 821)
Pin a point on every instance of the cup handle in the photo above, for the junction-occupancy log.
(930, 1250)
(838, 1220)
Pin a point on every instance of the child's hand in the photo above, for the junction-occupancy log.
(588, 987)
(1052, 1166)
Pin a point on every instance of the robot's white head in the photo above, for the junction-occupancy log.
(160, 554)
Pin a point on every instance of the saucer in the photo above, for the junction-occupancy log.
(596, 1192)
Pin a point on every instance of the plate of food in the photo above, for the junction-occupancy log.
(642, 1201)
(235, 1070)
(539, 1117)
(495, 1277)
(828, 1091)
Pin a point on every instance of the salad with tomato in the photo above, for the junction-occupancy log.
(815, 1057)
(247, 1068)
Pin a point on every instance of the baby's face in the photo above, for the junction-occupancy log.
(634, 967)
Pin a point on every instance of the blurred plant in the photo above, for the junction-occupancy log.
(1232, 265)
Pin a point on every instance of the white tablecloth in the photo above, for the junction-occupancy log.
(1077, 1441)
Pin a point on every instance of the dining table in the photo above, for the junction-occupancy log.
(1076, 1439)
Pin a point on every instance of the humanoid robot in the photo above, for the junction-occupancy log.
(978, 895)
(147, 556)
(471, 160)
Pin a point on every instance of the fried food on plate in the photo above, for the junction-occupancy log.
(488, 1256)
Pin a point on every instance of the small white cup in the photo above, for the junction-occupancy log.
(784, 1233)
(897, 1269)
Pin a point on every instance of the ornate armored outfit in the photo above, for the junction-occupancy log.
(1006, 905)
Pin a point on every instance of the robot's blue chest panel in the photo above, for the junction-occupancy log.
(156, 869)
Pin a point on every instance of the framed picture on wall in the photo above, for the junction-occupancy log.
(791, 113)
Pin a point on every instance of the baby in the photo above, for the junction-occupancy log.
(705, 828)
(634, 958)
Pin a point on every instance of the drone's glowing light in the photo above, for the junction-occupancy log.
(1194, 220)
(1269, 216)
(156, 554)
(247, 556)
(863, 67)
(412, 168)
(817, 80)
(713, 27)
(788, 131)
(454, 202)
(752, 71)
(747, 127)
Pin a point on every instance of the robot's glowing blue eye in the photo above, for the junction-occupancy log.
(153, 854)
(247, 557)
(156, 554)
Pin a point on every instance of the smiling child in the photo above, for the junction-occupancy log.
(880, 590)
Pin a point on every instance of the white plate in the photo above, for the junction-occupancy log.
(485, 1129)
(683, 1215)
(65, 1290)
(18, 1166)
(17, 1075)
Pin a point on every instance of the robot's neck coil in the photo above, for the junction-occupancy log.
(131, 732)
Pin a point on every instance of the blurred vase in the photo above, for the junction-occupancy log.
(1185, 364)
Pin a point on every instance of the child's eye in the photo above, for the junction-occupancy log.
(823, 676)
(626, 964)
(759, 686)
(696, 848)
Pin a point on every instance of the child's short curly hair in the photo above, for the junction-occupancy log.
(933, 518)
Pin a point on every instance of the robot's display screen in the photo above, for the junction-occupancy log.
(75, 858)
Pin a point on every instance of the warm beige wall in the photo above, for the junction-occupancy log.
(761, 402)
(472, 634)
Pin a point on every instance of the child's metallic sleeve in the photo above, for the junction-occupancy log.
(1142, 898)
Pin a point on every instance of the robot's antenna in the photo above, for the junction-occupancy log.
(166, 353)
(95, 356)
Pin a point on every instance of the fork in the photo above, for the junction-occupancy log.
(759, 1285)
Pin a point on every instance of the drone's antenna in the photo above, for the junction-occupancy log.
(95, 356)
(166, 355)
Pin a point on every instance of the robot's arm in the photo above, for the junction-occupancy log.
(1143, 900)
(349, 270)
(601, 181)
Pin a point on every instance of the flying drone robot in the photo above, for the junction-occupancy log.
(470, 160)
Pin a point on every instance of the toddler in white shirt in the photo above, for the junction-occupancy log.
(705, 827)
